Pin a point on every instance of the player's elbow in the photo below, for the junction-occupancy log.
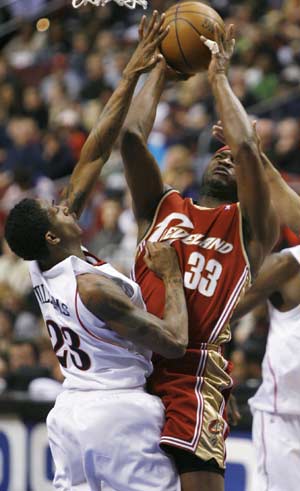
(131, 136)
(176, 349)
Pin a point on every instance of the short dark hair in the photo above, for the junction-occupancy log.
(25, 229)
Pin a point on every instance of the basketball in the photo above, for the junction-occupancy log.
(182, 47)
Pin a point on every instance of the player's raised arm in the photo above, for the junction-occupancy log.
(253, 189)
(141, 170)
(99, 144)
(276, 270)
(108, 302)
(286, 201)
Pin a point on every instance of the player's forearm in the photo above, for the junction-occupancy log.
(103, 136)
(141, 115)
(237, 127)
(286, 201)
(277, 270)
(98, 146)
(253, 189)
(175, 314)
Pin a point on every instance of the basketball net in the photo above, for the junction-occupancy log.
(130, 4)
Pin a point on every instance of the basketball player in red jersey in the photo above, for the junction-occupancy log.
(219, 243)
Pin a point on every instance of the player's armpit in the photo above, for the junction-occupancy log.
(276, 270)
(109, 303)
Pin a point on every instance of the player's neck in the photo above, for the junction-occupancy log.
(216, 194)
(212, 202)
(60, 254)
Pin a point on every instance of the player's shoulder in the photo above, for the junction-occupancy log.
(91, 284)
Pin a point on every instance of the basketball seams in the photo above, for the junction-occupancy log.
(195, 13)
(192, 26)
(179, 44)
(187, 8)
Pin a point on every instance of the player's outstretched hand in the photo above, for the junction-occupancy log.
(162, 259)
(221, 51)
(146, 55)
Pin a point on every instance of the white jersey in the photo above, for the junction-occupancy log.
(279, 392)
(91, 355)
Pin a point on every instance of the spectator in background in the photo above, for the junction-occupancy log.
(22, 50)
(33, 107)
(25, 150)
(13, 271)
(61, 75)
(9, 99)
(79, 52)
(24, 365)
(287, 146)
(107, 241)
(57, 155)
(94, 83)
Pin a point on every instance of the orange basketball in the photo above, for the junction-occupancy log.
(182, 47)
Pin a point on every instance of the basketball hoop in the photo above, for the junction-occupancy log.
(130, 4)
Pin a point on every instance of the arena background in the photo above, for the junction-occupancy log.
(55, 76)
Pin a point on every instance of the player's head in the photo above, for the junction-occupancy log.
(35, 229)
(219, 179)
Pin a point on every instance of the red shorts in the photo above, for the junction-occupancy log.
(194, 391)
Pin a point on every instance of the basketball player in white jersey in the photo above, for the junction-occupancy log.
(276, 405)
(104, 426)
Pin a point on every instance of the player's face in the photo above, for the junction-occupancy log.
(219, 179)
(221, 168)
(63, 223)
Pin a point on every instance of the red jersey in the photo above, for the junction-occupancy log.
(215, 270)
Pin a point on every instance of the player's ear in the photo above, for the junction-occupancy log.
(51, 238)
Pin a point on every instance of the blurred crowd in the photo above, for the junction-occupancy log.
(54, 82)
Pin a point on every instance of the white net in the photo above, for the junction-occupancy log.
(130, 4)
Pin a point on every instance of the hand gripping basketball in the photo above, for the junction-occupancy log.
(212, 45)
(221, 51)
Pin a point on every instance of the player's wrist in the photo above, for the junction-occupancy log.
(130, 75)
(172, 278)
(218, 75)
